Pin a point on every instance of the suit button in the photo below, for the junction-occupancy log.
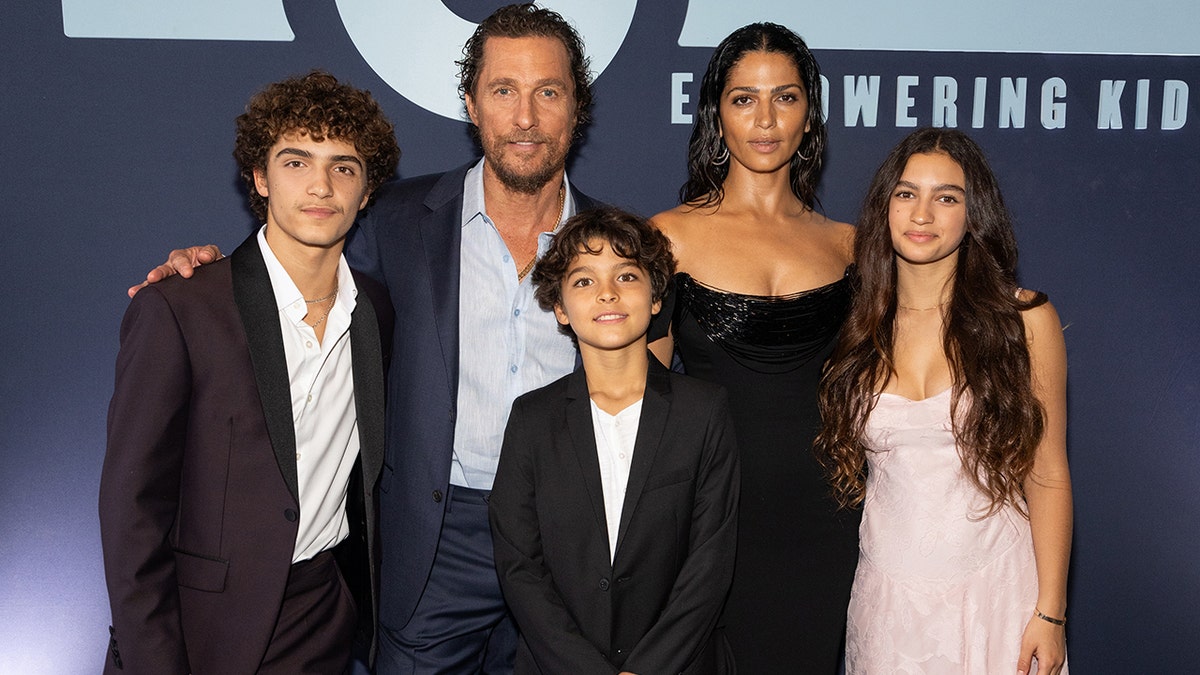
(604, 584)
(437, 496)
(290, 514)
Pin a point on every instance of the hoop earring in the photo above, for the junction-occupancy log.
(802, 157)
(722, 156)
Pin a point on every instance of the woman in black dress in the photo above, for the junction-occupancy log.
(761, 294)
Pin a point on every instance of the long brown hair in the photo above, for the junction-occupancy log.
(983, 337)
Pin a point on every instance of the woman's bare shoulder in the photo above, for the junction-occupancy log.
(677, 222)
(839, 235)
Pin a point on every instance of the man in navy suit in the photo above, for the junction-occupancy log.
(245, 433)
(455, 251)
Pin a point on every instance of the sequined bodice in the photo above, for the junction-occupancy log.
(767, 332)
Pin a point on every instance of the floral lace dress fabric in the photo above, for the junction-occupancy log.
(939, 587)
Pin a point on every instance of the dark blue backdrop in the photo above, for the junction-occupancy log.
(117, 142)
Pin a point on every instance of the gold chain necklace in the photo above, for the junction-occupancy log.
(562, 198)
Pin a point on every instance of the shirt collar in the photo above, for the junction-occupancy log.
(288, 297)
(473, 202)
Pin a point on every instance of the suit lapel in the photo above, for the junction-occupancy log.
(583, 441)
(441, 240)
(366, 359)
(656, 403)
(255, 300)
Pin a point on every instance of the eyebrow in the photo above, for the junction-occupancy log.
(308, 155)
(936, 188)
(510, 82)
(629, 262)
(774, 90)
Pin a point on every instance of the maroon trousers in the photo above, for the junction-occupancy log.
(315, 631)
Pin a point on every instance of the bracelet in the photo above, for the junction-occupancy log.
(1057, 622)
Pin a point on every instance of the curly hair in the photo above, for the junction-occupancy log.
(998, 420)
(318, 106)
(529, 20)
(630, 237)
(705, 182)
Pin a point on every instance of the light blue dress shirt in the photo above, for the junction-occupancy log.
(506, 344)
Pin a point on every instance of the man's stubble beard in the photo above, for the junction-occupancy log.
(530, 182)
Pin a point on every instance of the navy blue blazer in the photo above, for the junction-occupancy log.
(651, 609)
(409, 239)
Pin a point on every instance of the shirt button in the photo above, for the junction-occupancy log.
(516, 312)
(308, 344)
(621, 455)
(297, 457)
(512, 369)
(507, 258)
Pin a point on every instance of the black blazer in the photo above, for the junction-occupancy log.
(198, 495)
(653, 608)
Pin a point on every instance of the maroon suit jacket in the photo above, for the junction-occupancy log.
(198, 495)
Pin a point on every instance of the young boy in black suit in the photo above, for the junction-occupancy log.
(614, 510)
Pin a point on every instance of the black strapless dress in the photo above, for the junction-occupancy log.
(797, 552)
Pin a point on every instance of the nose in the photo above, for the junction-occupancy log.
(321, 186)
(525, 116)
(606, 293)
(764, 116)
(922, 214)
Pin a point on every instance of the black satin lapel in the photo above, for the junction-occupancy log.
(260, 318)
(583, 441)
(366, 355)
(656, 404)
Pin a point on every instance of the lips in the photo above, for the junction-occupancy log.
(319, 211)
(609, 317)
(765, 144)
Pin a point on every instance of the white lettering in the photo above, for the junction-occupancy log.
(945, 106)
(1175, 101)
(861, 95)
(824, 97)
(678, 98)
(1054, 108)
(1012, 102)
(1109, 113)
(980, 104)
(1141, 111)
(905, 101)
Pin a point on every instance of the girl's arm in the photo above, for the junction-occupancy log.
(1048, 494)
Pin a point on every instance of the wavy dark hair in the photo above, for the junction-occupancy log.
(319, 106)
(529, 20)
(998, 421)
(705, 182)
(630, 237)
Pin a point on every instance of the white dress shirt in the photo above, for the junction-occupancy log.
(615, 438)
(322, 387)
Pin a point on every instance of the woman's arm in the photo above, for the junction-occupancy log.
(1048, 493)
